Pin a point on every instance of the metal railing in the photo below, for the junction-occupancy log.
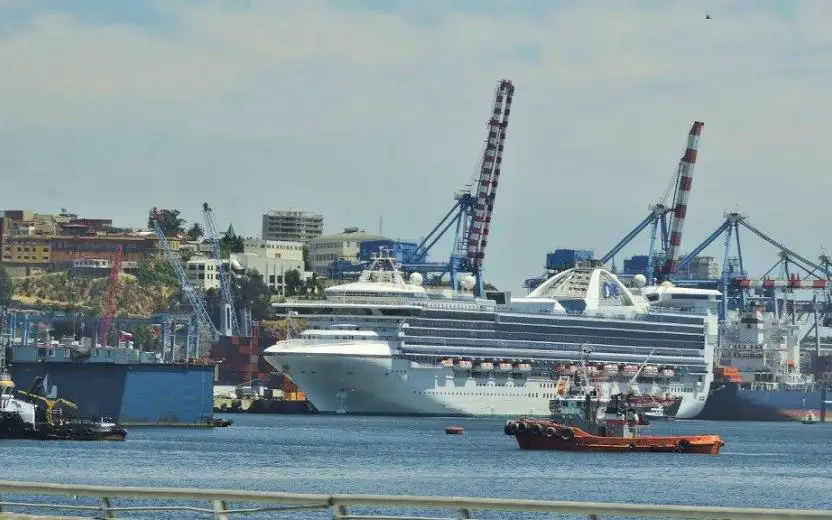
(385, 507)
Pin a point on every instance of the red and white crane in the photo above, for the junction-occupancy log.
(108, 307)
(680, 201)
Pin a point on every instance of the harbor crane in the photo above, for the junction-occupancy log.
(668, 220)
(472, 212)
(187, 288)
(108, 307)
(229, 326)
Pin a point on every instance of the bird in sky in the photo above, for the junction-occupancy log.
(707, 17)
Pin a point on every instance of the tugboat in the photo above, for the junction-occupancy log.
(28, 415)
(585, 421)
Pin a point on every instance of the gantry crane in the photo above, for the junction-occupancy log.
(229, 325)
(471, 214)
(187, 288)
(670, 240)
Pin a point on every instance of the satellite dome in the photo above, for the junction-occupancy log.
(640, 280)
(415, 279)
(468, 282)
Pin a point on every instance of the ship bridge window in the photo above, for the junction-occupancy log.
(690, 296)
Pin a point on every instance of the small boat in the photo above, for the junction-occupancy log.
(584, 420)
(454, 430)
(809, 418)
(658, 413)
(218, 422)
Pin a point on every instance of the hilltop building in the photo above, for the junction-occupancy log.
(292, 226)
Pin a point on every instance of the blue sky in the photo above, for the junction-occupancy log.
(368, 108)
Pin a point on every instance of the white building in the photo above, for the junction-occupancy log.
(203, 273)
(274, 249)
(272, 269)
(326, 249)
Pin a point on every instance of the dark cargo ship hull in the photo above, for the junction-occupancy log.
(729, 401)
(133, 394)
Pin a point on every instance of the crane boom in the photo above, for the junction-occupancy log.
(187, 289)
(229, 316)
(680, 202)
(108, 307)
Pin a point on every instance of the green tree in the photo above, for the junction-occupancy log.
(195, 233)
(292, 281)
(231, 244)
(251, 292)
(156, 272)
(169, 220)
(6, 287)
(307, 266)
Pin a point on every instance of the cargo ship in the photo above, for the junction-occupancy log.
(758, 376)
(123, 383)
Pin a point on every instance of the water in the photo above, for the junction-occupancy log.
(784, 465)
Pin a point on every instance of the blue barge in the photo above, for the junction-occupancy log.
(119, 382)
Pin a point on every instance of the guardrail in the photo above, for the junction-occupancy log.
(384, 507)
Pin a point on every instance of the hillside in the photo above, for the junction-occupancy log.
(152, 290)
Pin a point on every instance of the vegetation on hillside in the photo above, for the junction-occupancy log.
(153, 289)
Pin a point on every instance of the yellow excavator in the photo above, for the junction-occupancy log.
(50, 405)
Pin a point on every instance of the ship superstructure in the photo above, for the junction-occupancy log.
(758, 372)
(386, 345)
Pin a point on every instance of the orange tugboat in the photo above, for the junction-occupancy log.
(584, 421)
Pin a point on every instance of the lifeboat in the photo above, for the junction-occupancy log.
(667, 372)
(463, 364)
(484, 366)
(447, 363)
(650, 371)
(521, 368)
(610, 369)
(630, 370)
(503, 367)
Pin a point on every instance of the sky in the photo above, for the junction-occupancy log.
(368, 109)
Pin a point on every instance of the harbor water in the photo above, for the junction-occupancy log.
(781, 465)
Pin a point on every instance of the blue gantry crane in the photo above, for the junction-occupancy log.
(470, 216)
(229, 326)
(188, 290)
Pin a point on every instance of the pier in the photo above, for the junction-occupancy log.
(33, 500)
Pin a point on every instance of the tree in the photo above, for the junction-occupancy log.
(307, 266)
(293, 283)
(231, 244)
(6, 288)
(169, 219)
(251, 292)
(195, 233)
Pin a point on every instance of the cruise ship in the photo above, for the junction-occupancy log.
(386, 345)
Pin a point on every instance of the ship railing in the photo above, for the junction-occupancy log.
(112, 502)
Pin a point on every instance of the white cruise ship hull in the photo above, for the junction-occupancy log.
(365, 378)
